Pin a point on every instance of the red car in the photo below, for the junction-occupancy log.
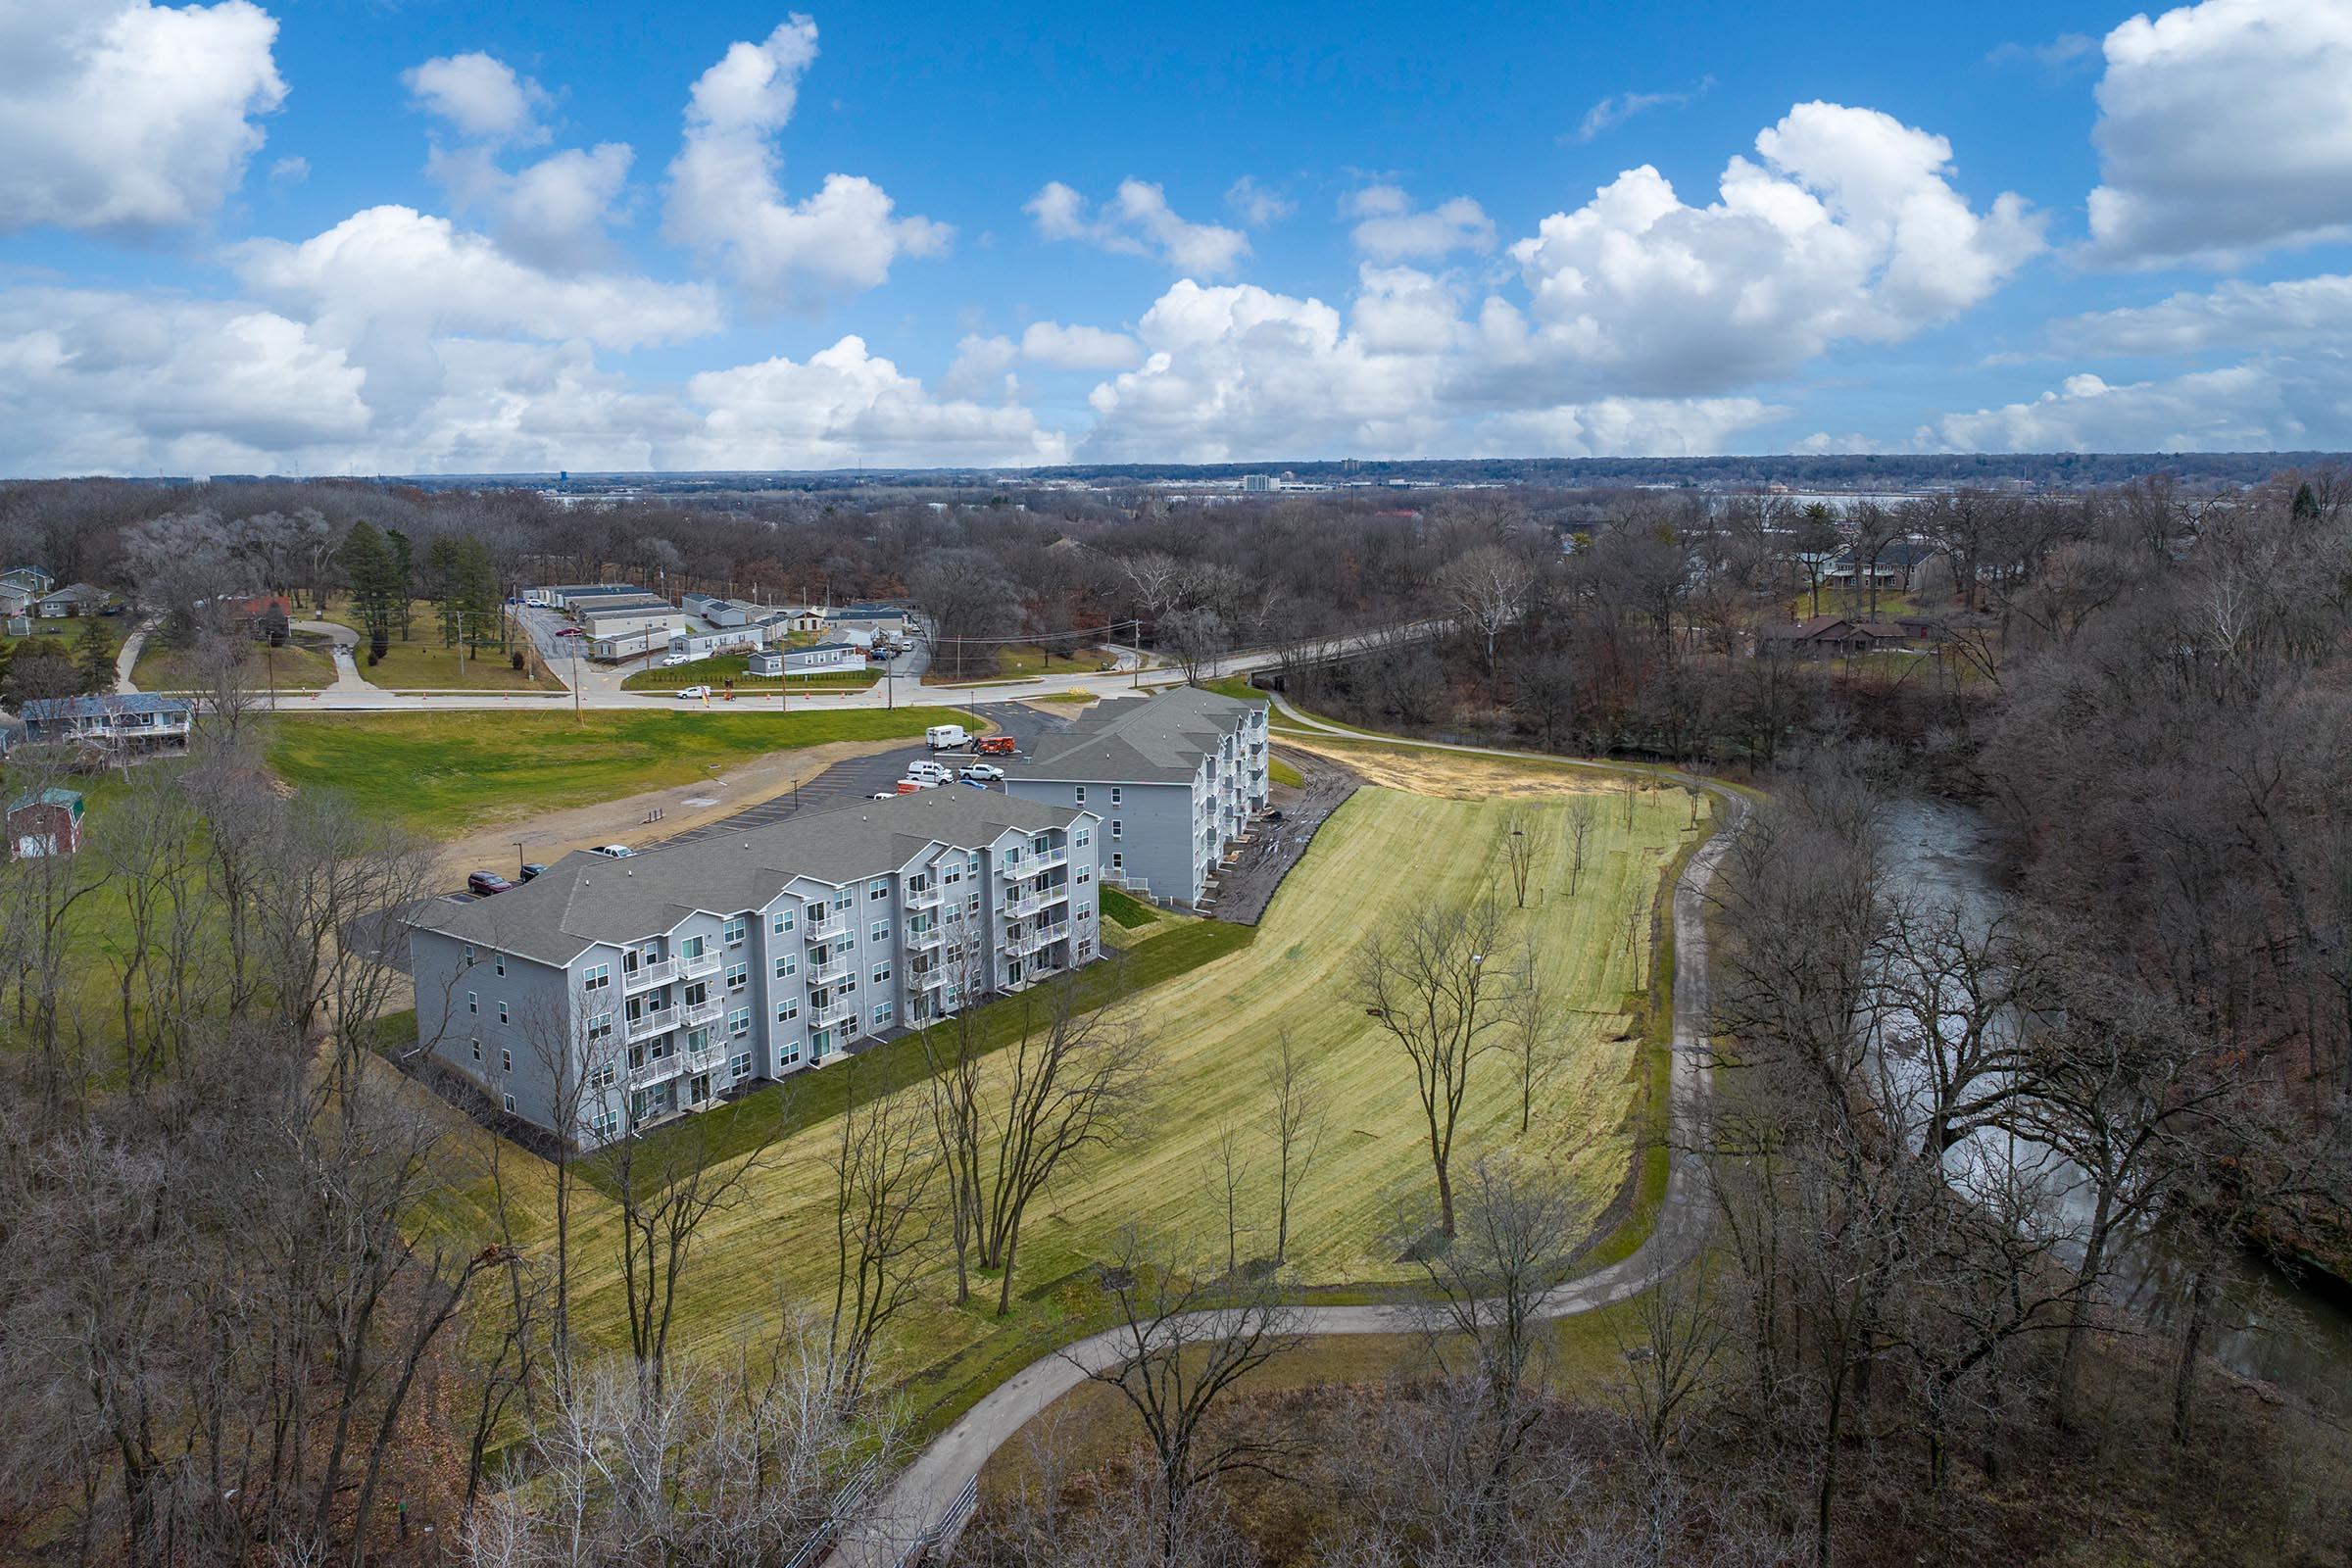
(569, 631)
(482, 884)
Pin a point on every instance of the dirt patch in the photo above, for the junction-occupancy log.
(1452, 775)
(1247, 885)
(682, 807)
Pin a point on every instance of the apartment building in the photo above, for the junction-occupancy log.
(1176, 778)
(653, 985)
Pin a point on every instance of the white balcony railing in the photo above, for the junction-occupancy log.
(648, 974)
(701, 963)
(922, 938)
(652, 1022)
(832, 970)
(839, 1012)
(706, 1012)
(1025, 904)
(658, 1068)
(923, 897)
(1031, 863)
(833, 925)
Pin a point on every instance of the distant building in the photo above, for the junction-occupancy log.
(1257, 483)
(138, 722)
(33, 580)
(1831, 635)
(47, 822)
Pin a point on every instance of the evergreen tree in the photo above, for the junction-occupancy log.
(376, 590)
(441, 580)
(475, 587)
(2306, 505)
(95, 658)
(404, 558)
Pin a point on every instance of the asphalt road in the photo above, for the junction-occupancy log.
(922, 1494)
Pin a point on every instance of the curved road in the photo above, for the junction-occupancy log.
(925, 1490)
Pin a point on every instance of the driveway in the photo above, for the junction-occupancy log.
(919, 1507)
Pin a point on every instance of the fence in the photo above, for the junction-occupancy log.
(945, 1529)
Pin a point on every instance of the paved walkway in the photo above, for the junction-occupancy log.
(925, 1490)
(344, 642)
(127, 657)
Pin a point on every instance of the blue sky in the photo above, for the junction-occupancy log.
(323, 235)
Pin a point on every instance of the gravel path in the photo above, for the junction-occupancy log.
(924, 1493)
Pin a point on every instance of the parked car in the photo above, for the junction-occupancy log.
(923, 771)
(980, 772)
(532, 869)
(618, 851)
(674, 660)
(885, 795)
(911, 786)
(482, 884)
(695, 693)
(567, 631)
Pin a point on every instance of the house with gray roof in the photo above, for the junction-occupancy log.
(1176, 779)
(128, 721)
(608, 994)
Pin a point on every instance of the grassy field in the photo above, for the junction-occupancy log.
(719, 669)
(421, 664)
(1385, 852)
(1853, 602)
(304, 665)
(1018, 662)
(1283, 774)
(443, 773)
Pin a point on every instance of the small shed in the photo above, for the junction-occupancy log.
(45, 822)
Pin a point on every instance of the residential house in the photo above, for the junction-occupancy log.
(817, 659)
(873, 619)
(16, 599)
(620, 629)
(1829, 636)
(45, 822)
(1176, 779)
(1892, 568)
(660, 982)
(78, 598)
(138, 722)
(265, 617)
(33, 580)
(573, 595)
(717, 611)
(700, 643)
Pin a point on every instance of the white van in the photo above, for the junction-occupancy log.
(946, 737)
(923, 771)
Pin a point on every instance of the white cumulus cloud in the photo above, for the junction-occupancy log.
(1078, 348)
(1391, 229)
(1138, 221)
(479, 95)
(2224, 129)
(726, 202)
(119, 114)
(2243, 408)
(2236, 316)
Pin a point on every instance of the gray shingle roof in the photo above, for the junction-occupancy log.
(586, 898)
(94, 706)
(1161, 740)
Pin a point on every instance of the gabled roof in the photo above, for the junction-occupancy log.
(68, 798)
(93, 707)
(1161, 740)
(585, 898)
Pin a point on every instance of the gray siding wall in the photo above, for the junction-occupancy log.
(458, 1007)
(1155, 842)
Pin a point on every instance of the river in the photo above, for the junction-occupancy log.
(2294, 1337)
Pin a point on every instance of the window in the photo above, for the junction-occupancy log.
(739, 1066)
(820, 1041)
(787, 967)
(502, 1013)
(691, 948)
(1114, 830)
(510, 1103)
(735, 931)
(878, 888)
(1114, 795)
(477, 1050)
(971, 905)
(469, 952)
(1084, 837)
(788, 1009)
(842, 898)
(817, 912)
(1118, 862)
(505, 1058)
(739, 1022)
(954, 876)
(604, 1075)
(600, 1026)
(473, 1002)
(697, 1040)
(788, 1054)
(848, 983)
(697, 994)
(883, 1012)
(881, 974)
(596, 977)
(780, 922)
(1079, 795)
(500, 961)
(605, 1123)
(1086, 948)
(879, 931)
(739, 975)
(1040, 845)
(1086, 873)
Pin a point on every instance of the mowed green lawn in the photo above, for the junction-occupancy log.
(719, 669)
(422, 662)
(302, 665)
(1385, 853)
(444, 773)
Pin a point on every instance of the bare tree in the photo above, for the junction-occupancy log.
(1180, 1345)
(1437, 983)
(886, 1223)
(1295, 1116)
(1487, 589)
(1519, 854)
(1582, 813)
(1534, 1035)
(1195, 639)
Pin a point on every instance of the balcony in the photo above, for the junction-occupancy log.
(1025, 904)
(656, 1069)
(923, 897)
(834, 925)
(925, 976)
(648, 974)
(831, 970)
(1030, 864)
(838, 1013)
(921, 939)
(706, 1012)
(700, 965)
(1043, 937)
(654, 1021)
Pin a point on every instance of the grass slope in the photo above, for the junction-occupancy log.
(1383, 855)
(303, 666)
(719, 669)
(443, 773)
